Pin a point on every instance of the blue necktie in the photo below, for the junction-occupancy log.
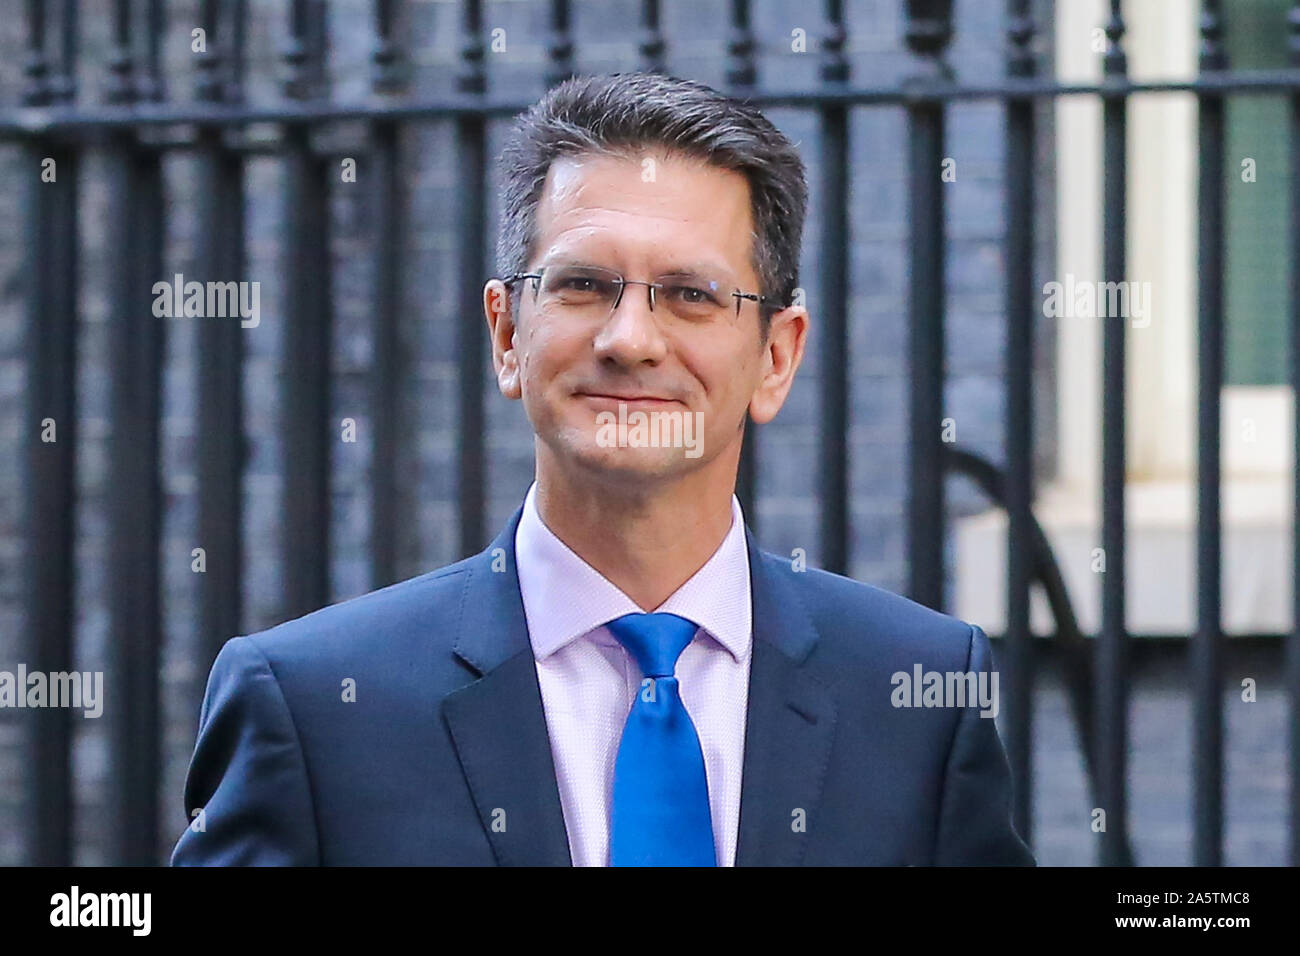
(661, 795)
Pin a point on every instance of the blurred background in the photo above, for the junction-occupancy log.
(1100, 476)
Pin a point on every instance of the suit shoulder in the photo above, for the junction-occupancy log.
(856, 616)
(419, 607)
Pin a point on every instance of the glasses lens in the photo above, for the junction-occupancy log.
(694, 297)
(579, 287)
(583, 289)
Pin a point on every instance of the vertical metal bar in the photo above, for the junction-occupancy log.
(150, 80)
(307, 342)
(1017, 651)
(318, 77)
(741, 71)
(1207, 648)
(296, 52)
(471, 342)
(386, 61)
(49, 452)
(207, 80)
(134, 176)
(36, 62)
(65, 82)
(651, 44)
(833, 357)
(119, 88)
(136, 626)
(1293, 639)
(559, 47)
(299, 30)
(1110, 673)
(741, 75)
(236, 18)
(928, 32)
(220, 440)
(385, 372)
(390, 231)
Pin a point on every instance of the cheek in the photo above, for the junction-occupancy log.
(543, 354)
(727, 380)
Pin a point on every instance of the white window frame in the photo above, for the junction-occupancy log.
(1257, 454)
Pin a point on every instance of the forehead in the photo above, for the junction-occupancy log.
(646, 209)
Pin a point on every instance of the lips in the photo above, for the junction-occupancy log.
(629, 399)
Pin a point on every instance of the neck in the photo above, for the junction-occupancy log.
(647, 539)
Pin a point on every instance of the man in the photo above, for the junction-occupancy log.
(622, 677)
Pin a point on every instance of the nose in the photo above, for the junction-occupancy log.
(631, 335)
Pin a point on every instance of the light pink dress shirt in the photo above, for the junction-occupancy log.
(588, 681)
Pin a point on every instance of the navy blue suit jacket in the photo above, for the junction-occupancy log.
(446, 739)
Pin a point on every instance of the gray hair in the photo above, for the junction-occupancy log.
(618, 112)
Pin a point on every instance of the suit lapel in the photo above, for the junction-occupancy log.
(497, 722)
(790, 724)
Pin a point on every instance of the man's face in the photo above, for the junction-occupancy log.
(643, 216)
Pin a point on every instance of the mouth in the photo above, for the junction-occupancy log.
(601, 398)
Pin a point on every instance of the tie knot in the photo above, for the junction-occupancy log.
(655, 640)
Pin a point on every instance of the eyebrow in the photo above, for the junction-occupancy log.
(698, 268)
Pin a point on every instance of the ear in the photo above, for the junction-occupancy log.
(502, 333)
(782, 354)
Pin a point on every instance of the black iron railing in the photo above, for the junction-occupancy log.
(137, 125)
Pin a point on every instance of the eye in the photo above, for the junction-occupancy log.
(692, 295)
(575, 286)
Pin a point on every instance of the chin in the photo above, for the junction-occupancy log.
(624, 464)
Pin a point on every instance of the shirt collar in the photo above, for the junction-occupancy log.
(565, 598)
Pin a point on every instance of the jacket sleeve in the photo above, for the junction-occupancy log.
(975, 826)
(247, 775)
